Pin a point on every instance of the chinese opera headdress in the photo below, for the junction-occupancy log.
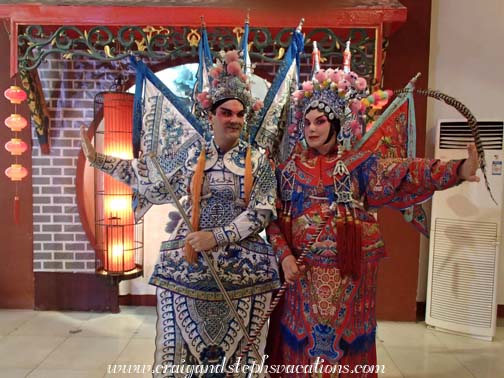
(228, 80)
(342, 96)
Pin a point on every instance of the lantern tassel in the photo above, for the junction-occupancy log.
(17, 209)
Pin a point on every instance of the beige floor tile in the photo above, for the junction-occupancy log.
(138, 310)
(40, 344)
(53, 323)
(393, 334)
(11, 320)
(26, 351)
(416, 361)
(138, 351)
(147, 329)
(111, 325)
(482, 363)
(85, 353)
(457, 342)
(57, 373)
(391, 370)
(14, 372)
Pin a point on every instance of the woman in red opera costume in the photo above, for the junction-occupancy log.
(326, 192)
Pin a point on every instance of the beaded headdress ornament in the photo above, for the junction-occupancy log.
(339, 95)
(228, 81)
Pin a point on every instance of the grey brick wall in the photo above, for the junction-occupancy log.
(60, 243)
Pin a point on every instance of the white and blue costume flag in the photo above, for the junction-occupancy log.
(163, 126)
(204, 64)
(244, 49)
(270, 129)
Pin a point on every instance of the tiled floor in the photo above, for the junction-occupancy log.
(81, 345)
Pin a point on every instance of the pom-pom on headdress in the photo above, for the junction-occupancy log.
(331, 91)
(228, 81)
(339, 95)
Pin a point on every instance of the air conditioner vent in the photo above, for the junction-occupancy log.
(457, 134)
(463, 275)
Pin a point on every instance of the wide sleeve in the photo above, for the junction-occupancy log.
(260, 210)
(143, 176)
(400, 183)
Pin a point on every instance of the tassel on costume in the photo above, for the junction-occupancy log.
(350, 252)
(341, 240)
(349, 243)
(248, 175)
(197, 182)
(358, 245)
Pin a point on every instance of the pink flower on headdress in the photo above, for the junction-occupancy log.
(204, 99)
(215, 72)
(377, 97)
(351, 77)
(360, 84)
(343, 85)
(202, 96)
(258, 105)
(307, 86)
(321, 76)
(234, 68)
(215, 83)
(337, 76)
(329, 72)
(206, 103)
(298, 95)
(299, 115)
(231, 56)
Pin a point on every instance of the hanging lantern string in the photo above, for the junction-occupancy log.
(17, 204)
(16, 172)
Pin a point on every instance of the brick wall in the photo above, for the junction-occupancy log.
(60, 243)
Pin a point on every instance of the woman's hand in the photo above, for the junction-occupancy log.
(292, 272)
(467, 170)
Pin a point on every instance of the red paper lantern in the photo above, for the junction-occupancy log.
(16, 172)
(16, 146)
(16, 122)
(15, 94)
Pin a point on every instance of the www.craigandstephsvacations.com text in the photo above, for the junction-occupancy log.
(319, 366)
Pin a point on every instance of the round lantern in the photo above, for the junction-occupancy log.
(16, 146)
(16, 172)
(15, 94)
(16, 122)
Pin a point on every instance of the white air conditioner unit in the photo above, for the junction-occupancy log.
(465, 237)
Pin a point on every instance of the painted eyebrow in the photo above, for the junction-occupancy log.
(230, 111)
(318, 118)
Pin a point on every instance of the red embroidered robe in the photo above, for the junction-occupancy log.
(323, 314)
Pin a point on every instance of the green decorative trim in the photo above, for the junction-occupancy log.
(36, 42)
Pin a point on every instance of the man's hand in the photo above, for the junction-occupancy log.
(201, 240)
(87, 147)
(467, 170)
(291, 271)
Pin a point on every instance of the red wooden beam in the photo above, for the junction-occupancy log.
(346, 14)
